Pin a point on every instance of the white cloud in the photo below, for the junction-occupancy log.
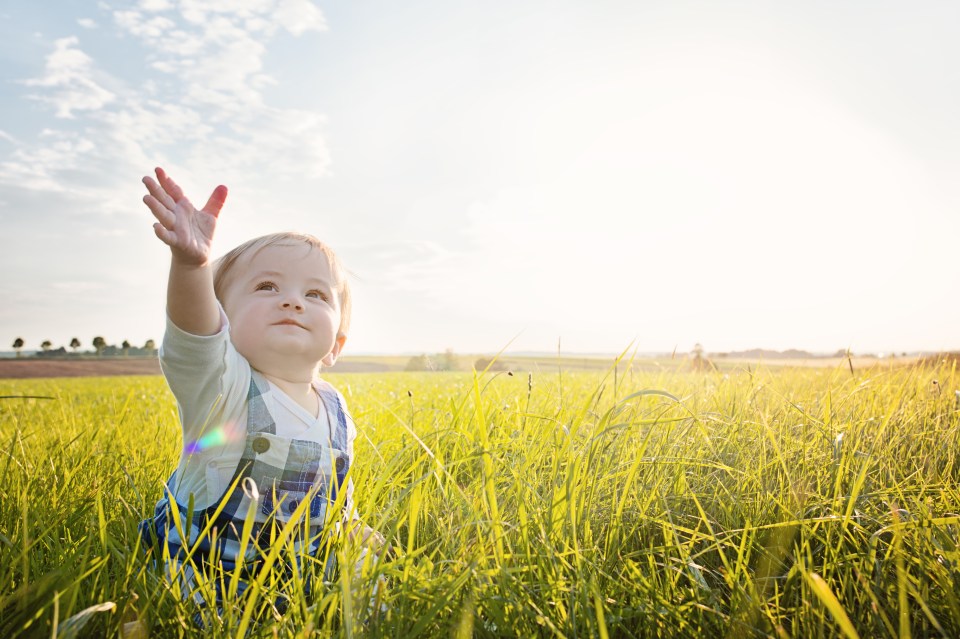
(87, 23)
(155, 5)
(215, 51)
(256, 24)
(299, 16)
(69, 81)
(206, 112)
(153, 28)
(38, 167)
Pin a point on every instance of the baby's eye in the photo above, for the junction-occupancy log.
(266, 286)
(318, 295)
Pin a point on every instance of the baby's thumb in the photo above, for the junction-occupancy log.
(215, 203)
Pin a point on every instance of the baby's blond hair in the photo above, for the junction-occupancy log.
(223, 266)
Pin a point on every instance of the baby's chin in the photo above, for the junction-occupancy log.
(294, 365)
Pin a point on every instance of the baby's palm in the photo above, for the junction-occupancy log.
(187, 231)
(192, 232)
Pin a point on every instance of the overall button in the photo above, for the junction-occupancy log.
(261, 445)
(292, 505)
(341, 463)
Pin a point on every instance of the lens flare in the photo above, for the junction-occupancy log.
(216, 437)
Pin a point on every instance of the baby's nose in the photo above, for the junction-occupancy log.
(293, 304)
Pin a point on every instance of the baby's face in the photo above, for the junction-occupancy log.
(283, 307)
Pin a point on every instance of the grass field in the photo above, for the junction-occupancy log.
(619, 503)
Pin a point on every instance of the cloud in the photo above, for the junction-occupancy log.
(214, 52)
(36, 167)
(87, 23)
(69, 81)
(216, 49)
(298, 16)
(155, 5)
(151, 28)
(198, 104)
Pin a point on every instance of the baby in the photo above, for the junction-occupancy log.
(266, 443)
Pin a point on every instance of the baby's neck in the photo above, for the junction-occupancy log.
(299, 391)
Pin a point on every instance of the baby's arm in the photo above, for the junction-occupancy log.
(191, 303)
(369, 537)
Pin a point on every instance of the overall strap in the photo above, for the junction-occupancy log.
(259, 419)
(336, 414)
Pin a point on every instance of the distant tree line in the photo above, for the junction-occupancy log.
(99, 344)
(445, 361)
(449, 361)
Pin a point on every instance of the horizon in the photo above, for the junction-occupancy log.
(653, 174)
(630, 353)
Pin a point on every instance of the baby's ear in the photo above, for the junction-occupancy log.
(331, 357)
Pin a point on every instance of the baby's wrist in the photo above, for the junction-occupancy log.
(188, 262)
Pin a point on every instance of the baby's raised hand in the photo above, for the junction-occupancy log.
(187, 231)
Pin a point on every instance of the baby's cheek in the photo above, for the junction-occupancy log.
(245, 341)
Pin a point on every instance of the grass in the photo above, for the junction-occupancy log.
(747, 503)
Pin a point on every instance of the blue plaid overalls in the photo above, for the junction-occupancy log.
(284, 472)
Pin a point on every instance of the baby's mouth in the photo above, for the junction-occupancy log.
(290, 322)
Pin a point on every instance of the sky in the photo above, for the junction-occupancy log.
(593, 176)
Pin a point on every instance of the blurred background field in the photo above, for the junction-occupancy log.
(90, 365)
(630, 501)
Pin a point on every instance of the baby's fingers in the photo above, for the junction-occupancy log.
(171, 187)
(167, 237)
(157, 192)
(215, 203)
(164, 215)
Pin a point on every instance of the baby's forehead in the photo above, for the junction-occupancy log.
(286, 257)
(283, 251)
